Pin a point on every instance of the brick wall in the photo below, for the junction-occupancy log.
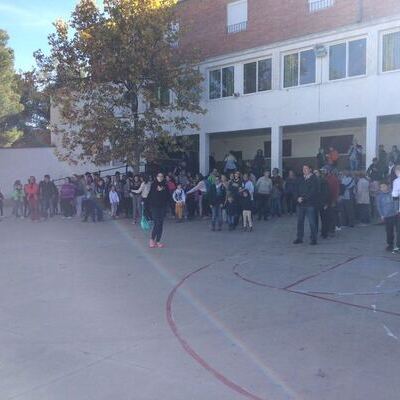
(269, 21)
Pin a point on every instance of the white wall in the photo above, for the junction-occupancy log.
(22, 163)
(304, 144)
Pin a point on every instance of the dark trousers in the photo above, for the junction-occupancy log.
(158, 214)
(348, 212)
(1, 207)
(263, 205)
(392, 225)
(66, 207)
(302, 213)
(325, 214)
(290, 203)
(363, 213)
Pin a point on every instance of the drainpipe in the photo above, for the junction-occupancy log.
(360, 16)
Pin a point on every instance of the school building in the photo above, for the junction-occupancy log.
(290, 76)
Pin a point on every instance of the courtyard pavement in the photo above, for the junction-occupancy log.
(88, 312)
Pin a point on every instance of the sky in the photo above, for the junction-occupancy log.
(28, 23)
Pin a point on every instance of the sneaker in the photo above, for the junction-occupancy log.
(389, 248)
(152, 244)
(338, 229)
(297, 241)
(160, 245)
(396, 250)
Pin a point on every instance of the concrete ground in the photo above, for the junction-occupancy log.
(88, 312)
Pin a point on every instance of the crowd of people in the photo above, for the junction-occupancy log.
(328, 198)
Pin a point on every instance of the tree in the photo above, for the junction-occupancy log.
(34, 119)
(9, 97)
(119, 80)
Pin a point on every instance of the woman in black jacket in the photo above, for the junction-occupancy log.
(158, 201)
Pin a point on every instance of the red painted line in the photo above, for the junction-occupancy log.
(189, 350)
(320, 273)
(250, 280)
(345, 303)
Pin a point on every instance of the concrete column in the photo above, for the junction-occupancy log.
(276, 147)
(372, 128)
(204, 153)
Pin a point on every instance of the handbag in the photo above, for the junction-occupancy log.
(144, 222)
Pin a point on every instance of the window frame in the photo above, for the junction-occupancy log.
(220, 69)
(242, 24)
(298, 52)
(257, 60)
(347, 42)
(381, 35)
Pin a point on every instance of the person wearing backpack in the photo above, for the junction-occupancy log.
(347, 186)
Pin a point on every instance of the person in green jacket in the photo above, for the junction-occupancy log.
(18, 199)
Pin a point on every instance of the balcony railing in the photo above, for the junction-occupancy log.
(317, 5)
(235, 28)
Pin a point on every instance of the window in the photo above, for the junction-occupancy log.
(391, 52)
(257, 76)
(340, 143)
(348, 59)
(286, 148)
(317, 5)
(237, 16)
(222, 82)
(299, 68)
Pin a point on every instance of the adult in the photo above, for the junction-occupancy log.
(67, 197)
(333, 157)
(32, 196)
(347, 187)
(144, 191)
(48, 191)
(394, 155)
(263, 195)
(136, 198)
(230, 163)
(259, 164)
(383, 161)
(321, 158)
(248, 185)
(374, 172)
(216, 198)
(396, 197)
(334, 189)
(354, 153)
(323, 202)
(212, 163)
(158, 202)
(289, 189)
(307, 199)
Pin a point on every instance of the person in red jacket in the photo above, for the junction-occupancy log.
(334, 189)
(32, 196)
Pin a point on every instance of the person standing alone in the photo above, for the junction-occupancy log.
(307, 200)
(159, 200)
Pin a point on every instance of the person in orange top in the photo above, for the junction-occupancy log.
(333, 156)
(32, 195)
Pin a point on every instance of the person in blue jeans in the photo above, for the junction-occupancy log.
(216, 198)
(307, 200)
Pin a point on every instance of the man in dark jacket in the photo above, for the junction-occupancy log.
(307, 199)
(48, 191)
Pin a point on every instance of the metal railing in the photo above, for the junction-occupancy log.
(235, 28)
(317, 5)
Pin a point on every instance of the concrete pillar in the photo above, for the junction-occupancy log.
(204, 153)
(276, 147)
(372, 128)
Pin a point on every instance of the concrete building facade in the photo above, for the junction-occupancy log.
(290, 76)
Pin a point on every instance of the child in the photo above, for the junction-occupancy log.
(179, 198)
(232, 212)
(247, 206)
(1, 203)
(18, 200)
(114, 201)
(387, 211)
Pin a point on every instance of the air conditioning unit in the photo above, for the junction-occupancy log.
(320, 50)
